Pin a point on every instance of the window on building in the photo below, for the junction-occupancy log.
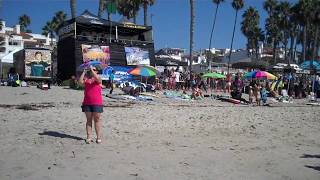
(13, 43)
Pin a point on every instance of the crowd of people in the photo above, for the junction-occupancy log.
(287, 85)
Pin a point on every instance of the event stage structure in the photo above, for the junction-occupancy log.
(88, 37)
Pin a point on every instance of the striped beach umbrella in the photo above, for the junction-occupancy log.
(260, 75)
(146, 71)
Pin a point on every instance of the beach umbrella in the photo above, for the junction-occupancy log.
(146, 71)
(87, 64)
(214, 75)
(260, 75)
(307, 65)
(249, 75)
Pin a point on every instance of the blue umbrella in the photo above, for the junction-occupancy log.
(308, 65)
(88, 64)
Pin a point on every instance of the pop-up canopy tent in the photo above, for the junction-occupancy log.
(9, 57)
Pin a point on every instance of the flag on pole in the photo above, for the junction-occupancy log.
(111, 7)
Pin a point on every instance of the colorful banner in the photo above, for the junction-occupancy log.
(137, 56)
(120, 75)
(97, 53)
(37, 63)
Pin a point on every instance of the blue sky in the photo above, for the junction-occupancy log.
(170, 19)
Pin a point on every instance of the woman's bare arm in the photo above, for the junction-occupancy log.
(81, 79)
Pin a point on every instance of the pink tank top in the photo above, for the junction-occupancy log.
(92, 93)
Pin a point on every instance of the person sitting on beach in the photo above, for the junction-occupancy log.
(127, 89)
(196, 93)
(158, 85)
(73, 83)
(236, 92)
(92, 104)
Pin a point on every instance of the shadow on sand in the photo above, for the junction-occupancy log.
(317, 168)
(310, 156)
(60, 135)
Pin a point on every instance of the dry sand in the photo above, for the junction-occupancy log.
(163, 139)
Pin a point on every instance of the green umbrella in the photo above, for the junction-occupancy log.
(214, 75)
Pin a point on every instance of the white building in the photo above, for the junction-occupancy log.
(13, 40)
(173, 53)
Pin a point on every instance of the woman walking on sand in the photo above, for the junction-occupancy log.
(92, 104)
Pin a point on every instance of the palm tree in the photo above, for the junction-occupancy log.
(102, 4)
(237, 5)
(135, 4)
(129, 8)
(271, 25)
(53, 26)
(217, 2)
(250, 28)
(49, 28)
(304, 15)
(24, 22)
(73, 8)
(284, 14)
(145, 4)
(316, 23)
(111, 6)
(293, 31)
(270, 6)
(58, 19)
(192, 18)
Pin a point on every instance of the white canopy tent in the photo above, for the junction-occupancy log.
(8, 58)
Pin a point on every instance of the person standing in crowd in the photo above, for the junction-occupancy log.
(228, 83)
(250, 94)
(166, 78)
(264, 94)
(201, 83)
(172, 79)
(257, 94)
(111, 80)
(92, 104)
(223, 85)
(177, 79)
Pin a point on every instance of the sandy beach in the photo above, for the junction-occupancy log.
(41, 136)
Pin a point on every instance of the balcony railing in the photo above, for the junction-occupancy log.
(114, 40)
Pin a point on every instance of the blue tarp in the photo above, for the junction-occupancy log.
(307, 65)
(121, 73)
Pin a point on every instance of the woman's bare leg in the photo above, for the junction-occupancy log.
(97, 124)
(89, 117)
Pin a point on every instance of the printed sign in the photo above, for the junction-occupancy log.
(37, 63)
(137, 56)
(96, 53)
(120, 73)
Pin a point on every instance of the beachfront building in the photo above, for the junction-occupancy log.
(89, 37)
(266, 53)
(12, 40)
(170, 58)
